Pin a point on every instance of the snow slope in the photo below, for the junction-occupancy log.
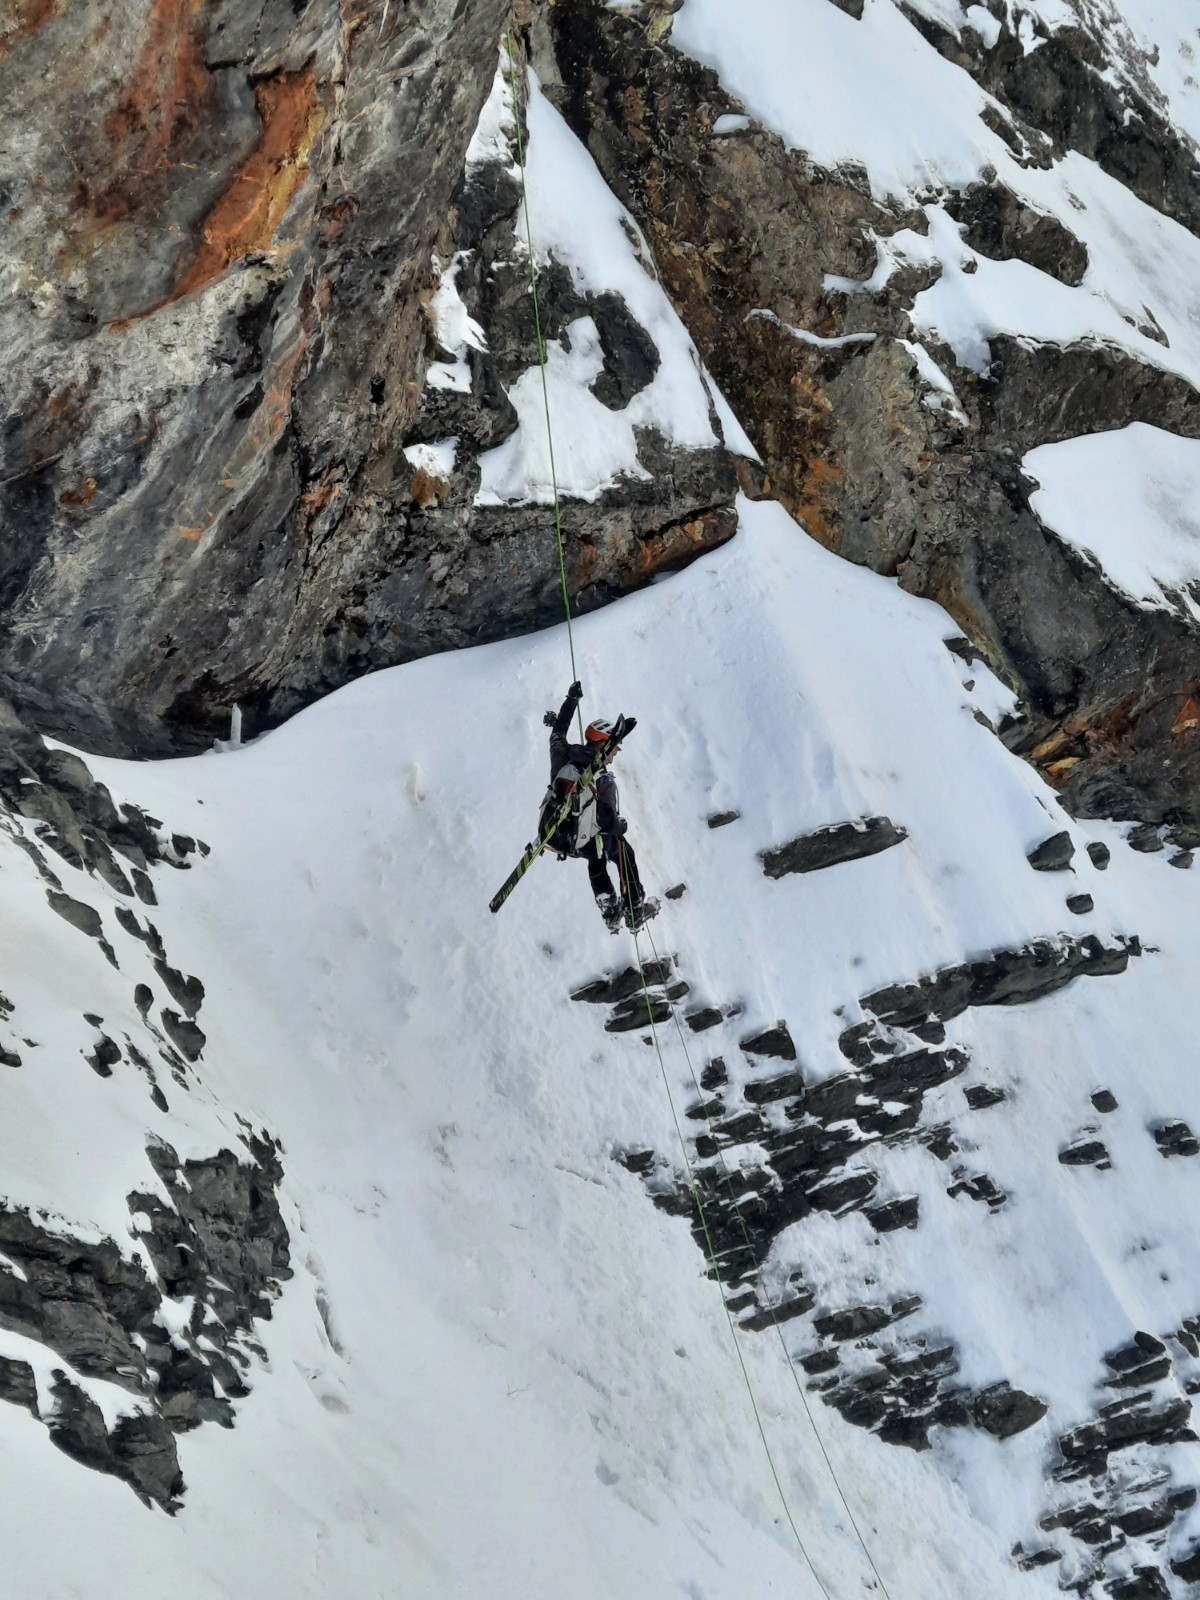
(527, 1381)
(572, 216)
(1127, 499)
(499, 1369)
(913, 124)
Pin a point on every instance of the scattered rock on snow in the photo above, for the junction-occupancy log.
(979, 1096)
(1053, 854)
(104, 1057)
(1004, 1411)
(1085, 1152)
(703, 1018)
(79, 915)
(893, 1214)
(776, 1041)
(1175, 1138)
(1145, 838)
(184, 1033)
(829, 846)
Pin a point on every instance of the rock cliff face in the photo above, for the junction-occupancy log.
(214, 333)
(887, 445)
(217, 335)
(224, 310)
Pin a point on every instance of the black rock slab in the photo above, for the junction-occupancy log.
(785, 1311)
(1004, 1411)
(607, 991)
(79, 915)
(714, 1075)
(1053, 854)
(104, 1057)
(637, 1011)
(702, 1018)
(776, 1041)
(1143, 1583)
(185, 991)
(1145, 838)
(1085, 1153)
(1011, 976)
(184, 1034)
(829, 846)
(722, 819)
(1175, 1138)
(763, 1090)
(901, 1213)
(979, 1096)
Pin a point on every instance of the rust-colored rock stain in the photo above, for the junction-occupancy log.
(427, 490)
(165, 102)
(24, 19)
(1187, 718)
(247, 216)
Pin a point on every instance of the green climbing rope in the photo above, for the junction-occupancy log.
(692, 1183)
(710, 1249)
(541, 352)
(753, 1254)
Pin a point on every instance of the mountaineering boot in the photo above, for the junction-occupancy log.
(610, 910)
(640, 915)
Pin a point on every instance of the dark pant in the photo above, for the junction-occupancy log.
(597, 854)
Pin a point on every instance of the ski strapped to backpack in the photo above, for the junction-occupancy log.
(587, 778)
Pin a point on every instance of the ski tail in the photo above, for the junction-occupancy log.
(621, 727)
(510, 883)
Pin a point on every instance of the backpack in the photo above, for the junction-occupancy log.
(578, 827)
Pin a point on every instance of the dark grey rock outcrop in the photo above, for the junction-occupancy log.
(871, 1362)
(220, 1240)
(827, 847)
(204, 496)
(1053, 854)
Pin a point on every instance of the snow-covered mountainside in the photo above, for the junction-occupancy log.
(837, 1235)
(494, 1359)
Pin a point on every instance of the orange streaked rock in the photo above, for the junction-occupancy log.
(167, 96)
(247, 216)
(1187, 719)
(426, 490)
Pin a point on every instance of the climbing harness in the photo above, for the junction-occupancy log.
(636, 926)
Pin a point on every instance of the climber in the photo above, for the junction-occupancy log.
(595, 830)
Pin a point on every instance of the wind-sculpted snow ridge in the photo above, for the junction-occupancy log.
(958, 1105)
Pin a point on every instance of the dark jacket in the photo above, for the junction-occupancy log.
(564, 753)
